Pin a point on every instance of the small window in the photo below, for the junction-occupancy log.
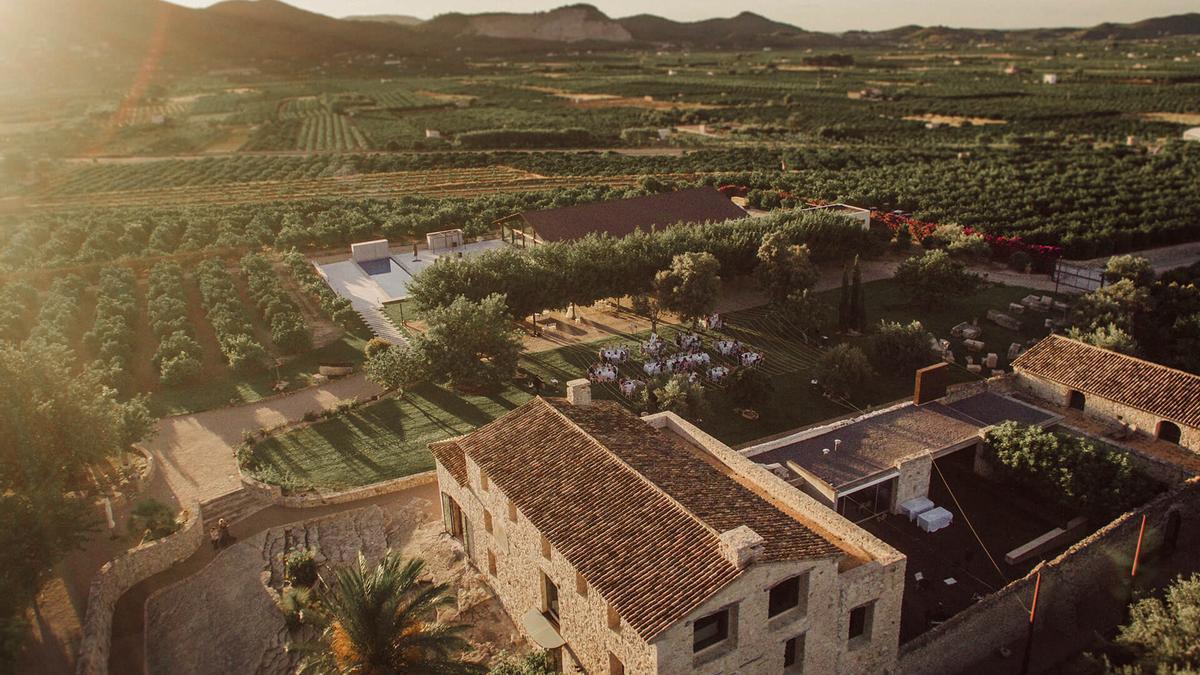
(487, 521)
(491, 563)
(785, 595)
(581, 585)
(545, 548)
(710, 630)
(793, 655)
(484, 483)
(860, 622)
(549, 599)
(615, 667)
(614, 619)
(512, 512)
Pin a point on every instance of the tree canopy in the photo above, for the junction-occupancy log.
(935, 277)
(784, 268)
(55, 422)
(469, 343)
(689, 287)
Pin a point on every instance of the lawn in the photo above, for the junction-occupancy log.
(389, 439)
(237, 388)
(376, 442)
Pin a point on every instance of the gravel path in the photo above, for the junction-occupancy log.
(195, 452)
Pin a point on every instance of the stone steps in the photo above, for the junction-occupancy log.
(232, 506)
(380, 324)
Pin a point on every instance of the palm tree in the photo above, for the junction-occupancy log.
(379, 620)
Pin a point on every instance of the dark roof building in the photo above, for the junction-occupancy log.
(624, 216)
(841, 458)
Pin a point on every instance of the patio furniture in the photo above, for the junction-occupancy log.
(915, 507)
(934, 519)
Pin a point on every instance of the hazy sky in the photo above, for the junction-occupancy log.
(826, 15)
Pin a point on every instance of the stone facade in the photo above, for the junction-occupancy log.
(518, 563)
(913, 481)
(273, 494)
(1104, 409)
(121, 574)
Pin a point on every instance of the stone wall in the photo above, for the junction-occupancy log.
(121, 574)
(1081, 589)
(1104, 409)
(913, 481)
(273, 494)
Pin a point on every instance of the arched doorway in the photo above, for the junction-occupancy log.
(1076, 400)
(1169, 432)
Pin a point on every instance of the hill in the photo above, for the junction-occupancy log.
(1165, 26)
(402, 19)
(575, 23)
(744, 30)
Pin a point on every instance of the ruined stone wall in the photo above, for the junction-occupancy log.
(1087, 585)
(272, 494)
(121, 574)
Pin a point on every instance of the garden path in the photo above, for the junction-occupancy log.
(195, 453)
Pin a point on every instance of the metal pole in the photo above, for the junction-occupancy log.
(1037, 587)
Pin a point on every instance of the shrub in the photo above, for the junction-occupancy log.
(300, 568)
(899, 348)
(151, 519)
(294, 601)
(845, 372)
(288, 330)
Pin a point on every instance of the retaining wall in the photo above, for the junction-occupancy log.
(118, 576)
(273, 494)
(1083, 589)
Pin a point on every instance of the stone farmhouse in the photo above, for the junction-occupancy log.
(643, 545)
(1142, 396)
(621, 217)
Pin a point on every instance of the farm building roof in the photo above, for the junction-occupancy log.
(1137, 383)
(875, 444)
(620, 217)
(636, 510)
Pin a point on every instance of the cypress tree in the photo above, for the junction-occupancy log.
(844, 320)
(858, 308)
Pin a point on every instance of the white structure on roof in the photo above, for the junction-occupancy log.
(1192, 134)
(432, 133)
(365, 251)
(1050, 78)
(444, 239)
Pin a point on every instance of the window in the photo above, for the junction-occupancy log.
(487, 521)
(452, 517)
(484, 483)
(793, 655)
(581, 586)
(1169, 432)
(787, 594)
(614, 619)
(860, 622)
(549, 599)
(1076, 400)
(615, 667)
(512, 512)
(545, 548)
(710, 630)
(491, 563)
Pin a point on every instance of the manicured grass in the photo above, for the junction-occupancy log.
(238, 388)
(389, 439)
(376, 442)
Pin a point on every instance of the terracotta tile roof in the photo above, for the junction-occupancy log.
(451, 456)
(620, 217)
(1137, 383)
(635, 512)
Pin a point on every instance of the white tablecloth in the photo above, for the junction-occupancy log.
(751, 358)
(728, 347)
(935, 519)
(915, 507)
